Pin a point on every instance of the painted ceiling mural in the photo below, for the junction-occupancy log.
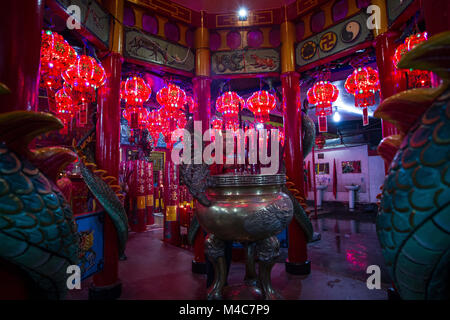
(245, 61)
(151, 49)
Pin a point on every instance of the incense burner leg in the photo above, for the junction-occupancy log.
(215, 250)
(268, 250)
(251, 278)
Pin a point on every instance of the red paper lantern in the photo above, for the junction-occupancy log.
(64, 107)
(416, 78)
(217, 124)
(83, 78)
(135, 92)
(171, 97)
(228, 104)
(56, 56)
(322, 95)
(154, 125)
(261, 103)
(363, 83)
(320, 141)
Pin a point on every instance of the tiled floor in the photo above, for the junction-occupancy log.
(155, 270)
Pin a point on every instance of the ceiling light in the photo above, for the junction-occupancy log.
(336, 117)
(243, 13)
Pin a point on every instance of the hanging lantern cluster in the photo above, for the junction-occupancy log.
(83, 78)
(135, 91)
(56, 56)
(322, 95)
(229, 104)
(78, 76)
(416, 78)
(363, 83)
(261, 103)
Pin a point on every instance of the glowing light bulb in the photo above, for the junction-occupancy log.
(242, 13)
(336, 117)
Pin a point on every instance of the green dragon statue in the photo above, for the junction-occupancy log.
(413, 224)
(38, 233)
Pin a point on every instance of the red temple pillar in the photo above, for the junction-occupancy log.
(20, 47)
(297, 262)
(202, 95)
(392, 81)
(106, 283)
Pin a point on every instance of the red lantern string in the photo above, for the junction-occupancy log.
(416, 78)
(56, 56)
(261, 103)
(83, 78)
(228, 104)
(135, 91)
(363, 83)
(322, 95)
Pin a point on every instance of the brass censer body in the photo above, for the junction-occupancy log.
(251, 209)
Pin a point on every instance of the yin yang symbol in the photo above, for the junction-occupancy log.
(350, 31)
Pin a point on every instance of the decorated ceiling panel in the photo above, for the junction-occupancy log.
(245, 62)
(340, 37)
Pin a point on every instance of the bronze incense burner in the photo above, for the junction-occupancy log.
(251, 209)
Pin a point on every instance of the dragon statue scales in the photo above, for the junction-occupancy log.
(413, 224)
(38, 233)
